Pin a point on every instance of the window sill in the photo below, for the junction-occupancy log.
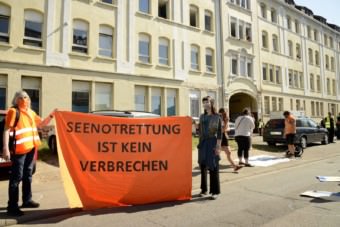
(196, 29)
(211, 33)
(79, 55)
(107, 5)
(4, 44)
(240, 40)
(210, 74)
(264, 49)
(193, 71)
(145, 15)
(144, 64)
(32, 48)
(166, 67)
(102, 58)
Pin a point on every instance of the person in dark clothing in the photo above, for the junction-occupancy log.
(338, 126)
(210, 136)
(329, 125)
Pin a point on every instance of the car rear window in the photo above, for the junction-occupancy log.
(275, 123)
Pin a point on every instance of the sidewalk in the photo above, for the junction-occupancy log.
(49, 192)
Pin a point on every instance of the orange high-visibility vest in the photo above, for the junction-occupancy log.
(26, 132)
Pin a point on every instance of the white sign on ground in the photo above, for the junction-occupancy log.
(334, 196)
(266, 160)
(328, 178)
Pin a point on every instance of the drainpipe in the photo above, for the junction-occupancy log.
(220, 50)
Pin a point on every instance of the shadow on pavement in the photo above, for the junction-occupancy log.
(52, 216)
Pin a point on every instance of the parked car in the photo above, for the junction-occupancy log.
(307, 131)
(4, 164)
(231, 130)
(52, 140)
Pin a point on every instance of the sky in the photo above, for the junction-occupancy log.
(328, 9)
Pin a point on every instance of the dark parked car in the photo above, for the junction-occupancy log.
(307, 131)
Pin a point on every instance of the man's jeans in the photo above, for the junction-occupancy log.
(21, 170)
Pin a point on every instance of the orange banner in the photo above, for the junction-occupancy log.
(108, 161)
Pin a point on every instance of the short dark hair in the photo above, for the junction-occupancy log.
(286, 113)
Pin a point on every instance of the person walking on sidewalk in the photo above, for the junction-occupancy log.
(225, 144)
(244, 126)
(289, 133)
(210, 135)
(22, 152)
(338, 126)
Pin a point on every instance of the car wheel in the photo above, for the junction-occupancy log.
(325, 139)
(303, 142)
(52, 144)
(271, 143)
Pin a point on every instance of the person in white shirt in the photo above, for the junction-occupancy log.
(244, 126)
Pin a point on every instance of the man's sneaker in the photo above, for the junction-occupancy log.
(30, 204)
(214, 196)
(203, 194)
(15, 212)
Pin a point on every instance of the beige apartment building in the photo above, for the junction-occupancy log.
(163, 56)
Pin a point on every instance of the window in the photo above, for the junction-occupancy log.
(234, 65)
(32, 86)
(103, 96)
(316, 35)
(274, 104)
(328, 83)
(273, 15)
(278, 75)
(296, 80)
(195, 57)
(105, 41)
(209, 60)
(298, 51)
(290, 78)
(290, 48)
(248, 32)
(242, 66)
(241, 30)
(144, 6)
(264, 39)
(275, 43)
(280, 104)
(263, 10)
(301, 80)
(208, 21)
(318, 83)
(297, 26)
(311, 81)
(156, 100)
(140, 98)
(298, 104)
(271, 73)
(289, 23)
(310, 56)
(108, 1)
(332, 63)
(80, 34)
(233, 24)
(264, 72)
(313, 108)
(309, 32)
(241, 3)
(333, 87)
(81, 96)
(327, 62)
(331, 44)
(163, 51)
(144, 48)
(3, 85)
(194, 18)
(163, 9)
(5, 13)
(266, 105)
(249, 68)
(194, 104)
(33, 28)
(317, 58)
(325, 40)
(171, 102)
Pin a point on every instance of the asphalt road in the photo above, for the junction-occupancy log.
(258, 196)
